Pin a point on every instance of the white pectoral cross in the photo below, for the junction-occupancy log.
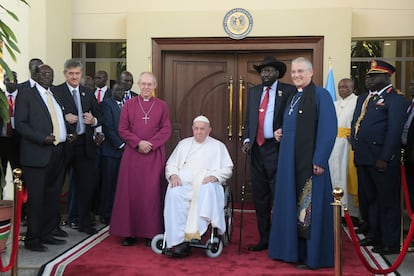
(145, 118)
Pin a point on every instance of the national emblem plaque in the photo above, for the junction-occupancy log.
(238, 23)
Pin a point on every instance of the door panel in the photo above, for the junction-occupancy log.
(216, 85)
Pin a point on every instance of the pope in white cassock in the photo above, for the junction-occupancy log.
(343, 173)
(195, 197)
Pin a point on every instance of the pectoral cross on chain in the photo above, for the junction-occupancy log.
(145, 118)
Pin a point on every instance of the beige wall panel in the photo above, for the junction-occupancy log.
(99, 26)
(383, 23)
(99, 6)
(210, 24)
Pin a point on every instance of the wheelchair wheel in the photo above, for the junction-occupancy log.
(214, 249)
(228, 217)
(156, 243)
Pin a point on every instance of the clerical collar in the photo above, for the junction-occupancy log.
(146, 100)
(205, 140)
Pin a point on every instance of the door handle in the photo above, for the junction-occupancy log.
(230, 125)
(241, 88)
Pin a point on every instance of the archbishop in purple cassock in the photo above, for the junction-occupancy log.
(145, 127)
(302, 222)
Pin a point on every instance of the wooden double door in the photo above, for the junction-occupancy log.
(215, 84)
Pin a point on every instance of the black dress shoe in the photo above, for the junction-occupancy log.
(362, 228)
(35, 246)
(366, 242)
(74, 225)
(196, 241)
(59, 232)
(52, 240)
(304, 266)
(129, 241)
(258, 247)
(88, 230)
(387, 250)
(148, 242)
(104, 221)
(182, 250)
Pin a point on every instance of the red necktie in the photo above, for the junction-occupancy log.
(262, 112)
(9, 127)
(99, 96)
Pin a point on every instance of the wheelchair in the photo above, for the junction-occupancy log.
(213, 246)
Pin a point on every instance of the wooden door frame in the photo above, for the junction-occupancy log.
(252, 44)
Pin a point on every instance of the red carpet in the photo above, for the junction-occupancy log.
(102, 254)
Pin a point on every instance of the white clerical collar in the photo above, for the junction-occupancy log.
(205, 140)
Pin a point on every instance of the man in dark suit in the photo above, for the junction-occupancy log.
(9, 137)
(265, 106)
(112, 149)
(33, 64)
(101, 93)
(127, 81)
(82, 114)
(40, 122)
(408, 144)
(376, 139)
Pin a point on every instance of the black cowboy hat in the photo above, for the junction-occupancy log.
(271, 61)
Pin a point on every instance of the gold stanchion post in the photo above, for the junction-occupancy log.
(18, 186)
(337, 206)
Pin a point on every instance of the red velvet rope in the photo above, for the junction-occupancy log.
(406, 194)
(16, 232)
(407, 240)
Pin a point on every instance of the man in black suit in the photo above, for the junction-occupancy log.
(127, 81)
(112, 149)
(9, 137)
(40, 122)
(101, 93)
(376, 130)
(408, 144)
(33, 64)
(265, 106)
(82, 114)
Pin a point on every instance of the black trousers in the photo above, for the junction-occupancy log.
(110, 168)
(263, 175)
(44, 185)
(379, 194)
(84, 180)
